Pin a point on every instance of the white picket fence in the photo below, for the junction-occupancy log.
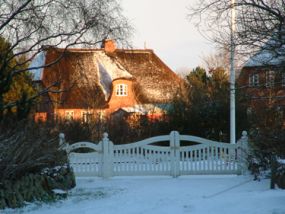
(144, 158)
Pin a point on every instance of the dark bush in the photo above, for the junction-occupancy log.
(26, 149)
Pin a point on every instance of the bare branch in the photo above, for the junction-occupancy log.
(257, 22)
(30, 26)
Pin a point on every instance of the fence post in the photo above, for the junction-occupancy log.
(177, 153)
(243, 152)
(107, 162)
(62, 143)
(111, 159)
(61, 139)
(172, 153)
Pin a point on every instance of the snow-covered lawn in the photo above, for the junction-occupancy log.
(163, 195)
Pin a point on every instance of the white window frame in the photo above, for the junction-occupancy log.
(270, 78)
(86, 116)
(253, 80)
(121, 90)
(69, 115)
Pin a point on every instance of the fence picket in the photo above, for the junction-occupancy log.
(144, 158)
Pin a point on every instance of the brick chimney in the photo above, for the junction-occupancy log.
(109, 45)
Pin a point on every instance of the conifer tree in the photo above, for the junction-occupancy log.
(15, 88)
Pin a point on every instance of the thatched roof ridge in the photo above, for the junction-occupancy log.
(84, 74)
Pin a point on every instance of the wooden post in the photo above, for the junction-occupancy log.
(62, 143)
(243, 150)
(111, 159)
(177, 153)
(107, 162)
(273, 166)
(61, 140)
(172, 153)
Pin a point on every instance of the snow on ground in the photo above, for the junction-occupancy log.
(166, 195)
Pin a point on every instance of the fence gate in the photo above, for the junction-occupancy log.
(85, 158)
(146, 158)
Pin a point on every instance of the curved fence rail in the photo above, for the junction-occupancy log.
(145, 158)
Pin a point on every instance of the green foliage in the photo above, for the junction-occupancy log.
(29, 160)
(121, 130)
(36, 187)
(267, 136)
(76, 131)
(205, 110)
(15, 88)
(267, 130)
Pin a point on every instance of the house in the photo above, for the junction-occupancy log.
(262, 79)
(103, 81)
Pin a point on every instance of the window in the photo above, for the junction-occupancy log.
(269, 79)
(69, 115)
(121, 90)
(86, 116)
(283, 79)
(253, 80)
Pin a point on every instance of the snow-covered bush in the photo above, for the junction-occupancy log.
(267, 147)
(49, 185)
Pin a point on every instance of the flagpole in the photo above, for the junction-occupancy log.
(232, 78)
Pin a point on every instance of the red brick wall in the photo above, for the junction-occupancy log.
(61, 113)
(78, 113)
(261, 93)
(115, 102)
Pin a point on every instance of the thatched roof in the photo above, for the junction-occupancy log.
(158, 83)
(86, 75)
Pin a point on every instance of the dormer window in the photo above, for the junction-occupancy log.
(121, 90)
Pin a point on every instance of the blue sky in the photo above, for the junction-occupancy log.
(163, 26)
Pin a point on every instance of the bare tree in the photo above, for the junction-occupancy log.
(259, 23)
(259, 27)
(30, 26)
(218, 59)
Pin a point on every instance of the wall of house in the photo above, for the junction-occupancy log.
(116, 101)
(243, 79)
(62, 113)
(159, 82)
(77, 114)
(40, 116)
(263, 96)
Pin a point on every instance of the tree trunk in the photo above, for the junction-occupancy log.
(1, 106)
(273, 172)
